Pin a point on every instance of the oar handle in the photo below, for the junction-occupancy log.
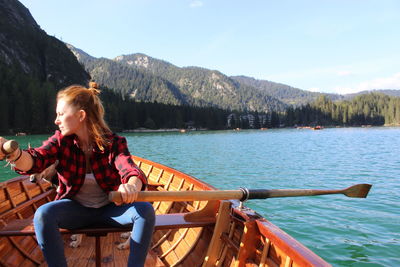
(151, 196)
(9, 147)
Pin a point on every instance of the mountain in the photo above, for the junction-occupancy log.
(25, 47)
(285, 93)
(148, 79)
(33, 66)
(137, 84)
(389, 92)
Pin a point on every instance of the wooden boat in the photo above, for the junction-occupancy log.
(318, 127)
(188, 233)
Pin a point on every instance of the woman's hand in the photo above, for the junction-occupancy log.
(128, 193)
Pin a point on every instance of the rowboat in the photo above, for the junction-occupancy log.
(188, 233)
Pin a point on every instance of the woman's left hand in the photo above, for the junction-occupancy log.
(128, 192)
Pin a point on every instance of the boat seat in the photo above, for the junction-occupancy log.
(23, 227)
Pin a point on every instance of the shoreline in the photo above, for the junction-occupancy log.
(182, 130)
(166, 130)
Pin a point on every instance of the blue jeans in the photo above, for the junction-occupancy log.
(69, 214)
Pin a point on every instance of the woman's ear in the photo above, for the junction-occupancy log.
(82, 115)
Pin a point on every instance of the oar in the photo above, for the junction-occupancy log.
(9, 147)
(359, 190)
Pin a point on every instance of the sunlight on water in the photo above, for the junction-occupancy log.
(344, 231)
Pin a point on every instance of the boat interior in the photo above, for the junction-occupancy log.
(188, 233)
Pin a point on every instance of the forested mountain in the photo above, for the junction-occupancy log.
(388, 92)
(26, 48)
(285, 93)
(148, 79)
(33, 66)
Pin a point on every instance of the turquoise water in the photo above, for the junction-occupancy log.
(344, 231)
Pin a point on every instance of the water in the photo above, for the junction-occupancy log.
(344, 231)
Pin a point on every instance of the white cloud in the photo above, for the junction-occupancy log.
(365, 75)
(344, 73)
(391, 82)
(196, 4)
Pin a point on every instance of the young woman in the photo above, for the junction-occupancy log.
(92, 161)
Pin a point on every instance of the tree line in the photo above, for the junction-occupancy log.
(374, 109)
(27, 105)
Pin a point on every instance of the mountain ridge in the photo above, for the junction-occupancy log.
(26, 47)
(187, 85)
(199, 86)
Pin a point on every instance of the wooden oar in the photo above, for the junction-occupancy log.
(359, 190)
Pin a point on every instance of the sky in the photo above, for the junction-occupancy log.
(331, 46)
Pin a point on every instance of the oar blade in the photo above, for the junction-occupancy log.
(359, 190)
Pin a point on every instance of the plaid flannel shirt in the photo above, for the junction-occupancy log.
(111, 167)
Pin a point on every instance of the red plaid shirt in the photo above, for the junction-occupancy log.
(110, 167)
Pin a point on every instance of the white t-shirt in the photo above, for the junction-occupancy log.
(91, 195)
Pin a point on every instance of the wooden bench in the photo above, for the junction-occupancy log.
(23, 227)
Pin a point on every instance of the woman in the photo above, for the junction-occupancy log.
(92, 161)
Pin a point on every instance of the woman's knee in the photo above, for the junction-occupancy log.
(146, 211)
(42, 214)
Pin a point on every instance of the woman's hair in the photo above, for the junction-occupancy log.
(87, 99)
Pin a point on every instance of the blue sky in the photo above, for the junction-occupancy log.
(336, 46)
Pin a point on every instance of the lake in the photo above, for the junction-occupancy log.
(343, 231)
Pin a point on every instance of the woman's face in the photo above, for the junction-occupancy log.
(68, 118)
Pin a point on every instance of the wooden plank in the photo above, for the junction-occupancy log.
(164, 221)
(192, 246)
(200, 184)
(22, 249)
(152, 260)
(28, 263)
(221, 226)
(175, 243)
(5, 205)
(120, 256)
(155, 175)
(25, 204)
(247, 244)
(229, 237)
(149, 171)
(264, 253)
(13, 258)
(288, 262)
(107, 253)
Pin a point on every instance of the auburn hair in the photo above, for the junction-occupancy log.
(88, 100)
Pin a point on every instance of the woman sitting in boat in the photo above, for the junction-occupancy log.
(92, 162)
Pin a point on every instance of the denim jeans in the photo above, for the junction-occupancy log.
(69, 214)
